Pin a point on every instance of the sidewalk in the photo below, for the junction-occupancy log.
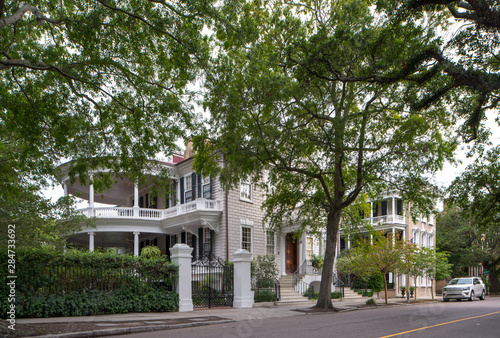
(119, 324)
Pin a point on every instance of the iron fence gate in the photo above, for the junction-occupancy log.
(212, 283)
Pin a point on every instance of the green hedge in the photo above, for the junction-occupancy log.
(56, 284)
(264, 296)
(314, 295)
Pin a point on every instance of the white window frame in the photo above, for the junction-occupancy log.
(251, 238)
(270, 233)
(250, 191)
(188, 178)
(309, 251)
(204, 183)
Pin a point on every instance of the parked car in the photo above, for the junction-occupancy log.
(464, 288)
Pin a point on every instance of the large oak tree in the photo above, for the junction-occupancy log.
(295, 94)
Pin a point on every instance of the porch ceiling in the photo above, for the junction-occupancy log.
(119, 194)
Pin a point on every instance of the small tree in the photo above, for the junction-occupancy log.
(382, 256)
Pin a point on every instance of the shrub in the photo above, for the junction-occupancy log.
(264, 271)
(77, 283)
(150, 252)
(371, 301)
(264, 296)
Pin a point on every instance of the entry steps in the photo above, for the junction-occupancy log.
(289, 295)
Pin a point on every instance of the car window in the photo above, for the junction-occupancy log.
(453, 282)
(464, 281)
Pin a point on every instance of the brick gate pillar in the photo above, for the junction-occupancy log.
(181, 255)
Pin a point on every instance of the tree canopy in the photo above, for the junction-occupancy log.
(463, 72)
(101, 83)
(293, 95)
(476, 196)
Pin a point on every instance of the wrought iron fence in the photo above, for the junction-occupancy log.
(212, 282)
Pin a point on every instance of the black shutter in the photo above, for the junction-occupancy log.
(212, 241)
(195, 245)
(200, 242)
(167, 202)
(183, 237)
(141, 202)
(182, 190)
(399, 207)
(193, 185)
(211, 188)
(167, 245)
(200, 183)
(384, 208)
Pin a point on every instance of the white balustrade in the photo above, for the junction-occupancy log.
(124, 212)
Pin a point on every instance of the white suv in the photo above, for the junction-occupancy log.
(464, 288)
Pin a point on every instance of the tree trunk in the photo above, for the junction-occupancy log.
(385, 289)
(325, 289)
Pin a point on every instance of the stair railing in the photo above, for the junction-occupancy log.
(339, 284)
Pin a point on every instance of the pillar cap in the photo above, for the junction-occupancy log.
(181, 250)
(242, 255)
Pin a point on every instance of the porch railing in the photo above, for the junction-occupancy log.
(130, 212)
(388, 219)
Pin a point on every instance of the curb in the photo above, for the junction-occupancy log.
(129, 330)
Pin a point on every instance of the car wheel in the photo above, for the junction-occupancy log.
(471, 296)
(483, 296)
(446, 300)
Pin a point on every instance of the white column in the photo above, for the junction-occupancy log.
(243, 294)
(91, 241)
(283, 254)
(136, 243)
(302, 249)
(181, 255)
(371, 212)
(348, 242)
(65, 187)
(91, 200)
(393, 236)
(394, 210)
(136, 200)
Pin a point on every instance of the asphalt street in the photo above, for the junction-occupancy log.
(453, 319)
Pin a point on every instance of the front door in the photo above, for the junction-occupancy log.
(291, 254)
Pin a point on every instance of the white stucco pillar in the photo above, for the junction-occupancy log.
(243, 294)
(65, 187)
(283, 254)
(91, 241)
(181, 255)
(136, 243)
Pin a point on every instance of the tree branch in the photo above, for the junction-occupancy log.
(23, 10)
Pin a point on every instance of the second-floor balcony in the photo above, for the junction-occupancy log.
(388, 219)
(152, 214)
